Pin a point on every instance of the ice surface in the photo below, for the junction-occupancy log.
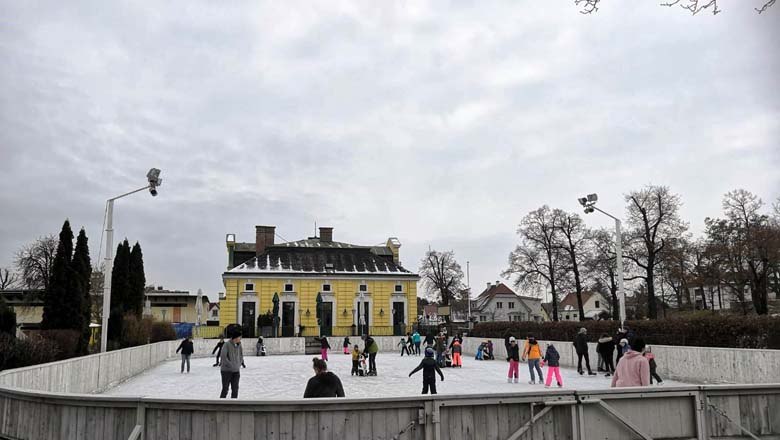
(285, 377)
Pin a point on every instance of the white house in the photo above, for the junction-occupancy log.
(500, 303)
(593, 305)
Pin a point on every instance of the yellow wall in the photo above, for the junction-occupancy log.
(343, 290)
(28, 314)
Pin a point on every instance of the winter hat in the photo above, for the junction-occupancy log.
(429, 352)
(512, 339)
(624, 341)
(583, 330)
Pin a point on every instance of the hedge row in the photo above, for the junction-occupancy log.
(701, 330)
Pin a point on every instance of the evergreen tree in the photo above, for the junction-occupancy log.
(56, 295)
(135, 300)
(120, 286)
(83, 270)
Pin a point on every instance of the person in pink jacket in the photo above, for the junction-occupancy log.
(633, 370)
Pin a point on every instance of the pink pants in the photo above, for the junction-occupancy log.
(346, 350)
(324, 354)
(557, 372)
(514, 368)
(456, 360)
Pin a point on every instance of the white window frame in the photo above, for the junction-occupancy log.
(499, 305)
(329, 289)
(284, 288)
(397, 285)
(248, 283)
(511, 305)
(363, 287)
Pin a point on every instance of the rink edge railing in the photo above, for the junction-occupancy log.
(54, 401)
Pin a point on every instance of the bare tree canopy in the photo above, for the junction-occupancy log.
(442, 277)
(692, 6)
(8, 279)
(572, 240)
(538, 260)
(653, 220)
(601, 265)
(34, 262)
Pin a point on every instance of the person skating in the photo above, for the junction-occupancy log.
(507, 342)
(430, 367)
(457, 359)
(606, 348)
(429, 340)
(440, 347)
(621, 334)
(581, 347)
(324, 347)
(490, 350)
(653, 366)
(260, 347)
(346, 345)
(231, 361)
(447, 358)
(324, 383)
(622, 349)
(533, 353)
(513, 357)
(480, 352)
(416, 340)
(552, 359)
(371, 349)
(633, 370)
(403, 344)
(186, 349)
(456, 338)
(218, 350)
(355, 360)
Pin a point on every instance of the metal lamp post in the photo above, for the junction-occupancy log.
(153, 177)
(589, 203)
(468, 289)
(361, 318)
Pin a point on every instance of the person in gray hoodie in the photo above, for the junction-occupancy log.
(231, 361)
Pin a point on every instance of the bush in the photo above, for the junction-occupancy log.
(66, 341)
(701, 330)
(7, 320)
(162, 331)
(136, 331)
(17, 353)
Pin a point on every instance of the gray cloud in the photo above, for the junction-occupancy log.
(442, 123)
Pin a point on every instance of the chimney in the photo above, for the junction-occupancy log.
(326, 235)
(395, 246)
(497, 282)
(264, 237)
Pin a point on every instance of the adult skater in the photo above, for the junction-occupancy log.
(633, 370)
(441, 345)
(259, 347)
(429, 340)
(324, 383)
(490, 350)
(231, 361)
(513, 357)
(218, 350)
(346, 344)
(581, 347)
(606, 348)
(430, 368)
(324, 347)
(533, 353)
(371, 348)
(186, 349)
(416, 341)
(621, 334)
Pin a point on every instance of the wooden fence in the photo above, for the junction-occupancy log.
(52, 401)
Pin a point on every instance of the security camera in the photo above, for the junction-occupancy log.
(583, 201)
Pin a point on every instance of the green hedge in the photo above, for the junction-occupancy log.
(701, 330)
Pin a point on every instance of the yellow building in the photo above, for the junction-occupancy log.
(364, 289)
(176, 305)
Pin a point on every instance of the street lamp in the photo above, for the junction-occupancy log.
(589, 203)
(361, 318)
(153, 177)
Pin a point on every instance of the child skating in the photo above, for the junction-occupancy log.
(346, 345)
(403, 345)
(513, 356)
(430, 368)
(218, 350)
(653, 374)
(324, 347)
(355, 360)
(552, 359)
(457, 360)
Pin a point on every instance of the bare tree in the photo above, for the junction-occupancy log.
(442, 277)
(601, 266)
(537, 260)
(653, 220)
(8, 279)
(692, 6)
(723, 244)
(34, 262)
(572, 240)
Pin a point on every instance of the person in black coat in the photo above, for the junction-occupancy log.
(606, 348)
(430, 368)
(429, 340)
(459, 338)
(186, 349)
(621, 334)
(218, 350)
(324, 383)
(581, 347)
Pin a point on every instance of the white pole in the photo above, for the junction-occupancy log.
(468, 287)
(107, 267)
(621, 292)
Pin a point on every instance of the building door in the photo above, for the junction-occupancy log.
(248, 319)
(326, 319)
(399, 319)
(176, 314)
(288, 319)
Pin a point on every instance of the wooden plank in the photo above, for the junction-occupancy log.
(185, 425)
(365, 425)
(66, 420)
(339, 424)
(480, 422)
(109, 419)
(247, 425)
(234, 425)
(198, 425)
(467, 422)
(753, 414)
(286, 425)
(299, 425)
(392, 427)
(223, 432)
(172, 418)
(91, 426)
(325, 423)
(210, 425)
(452, 423)
(261, 426)
(503, 421)
(352, 425)
(100, 415)
(161, 419)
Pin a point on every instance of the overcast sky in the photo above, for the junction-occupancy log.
(441, 123)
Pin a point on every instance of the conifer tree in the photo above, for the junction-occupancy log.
(120, 286)
(83, 271)
(135, 300)
(56, 295)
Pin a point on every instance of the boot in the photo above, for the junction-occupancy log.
(590, 373)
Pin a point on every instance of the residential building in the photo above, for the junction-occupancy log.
(498, 302)
(593, 305)
(176, 306)
(362, 288)
(212, 317)
(28, 306)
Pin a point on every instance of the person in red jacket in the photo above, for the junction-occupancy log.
(633, 370)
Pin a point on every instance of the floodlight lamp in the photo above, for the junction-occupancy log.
(583, 201)
(153, 191)
(593, 198)
(230, 238)
(154, 177)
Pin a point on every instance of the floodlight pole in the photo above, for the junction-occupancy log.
(619, 257)
(468, 290)
(108, 266)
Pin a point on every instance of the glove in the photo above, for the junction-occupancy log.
(243, 365)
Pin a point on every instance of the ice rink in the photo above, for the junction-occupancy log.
(285, 377)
